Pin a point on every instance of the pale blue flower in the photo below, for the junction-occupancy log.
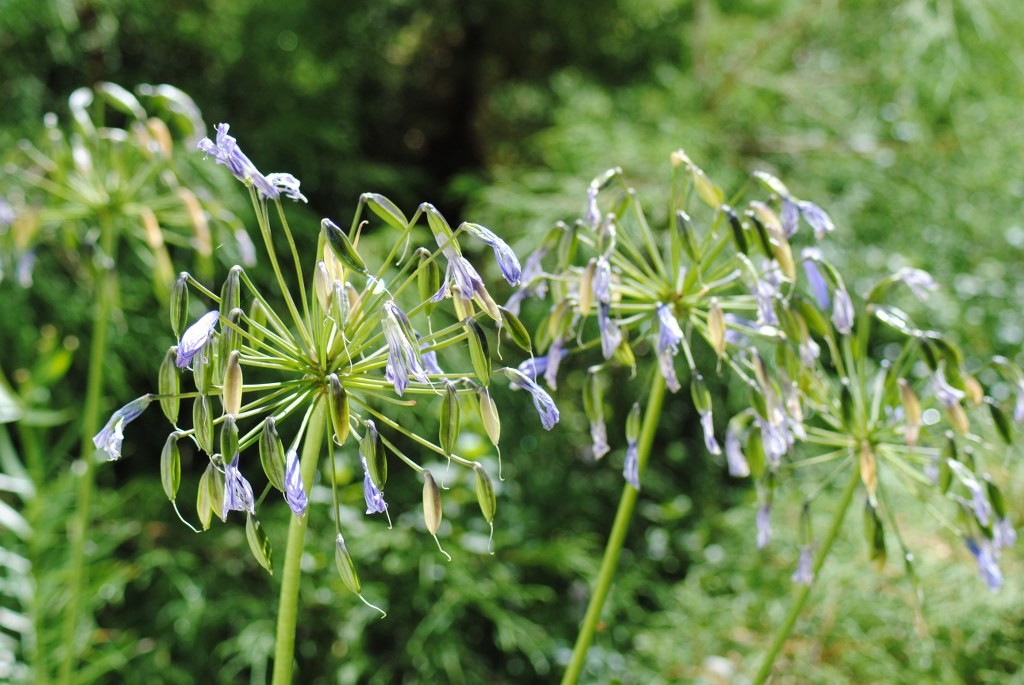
(667, 366)
(1003, 533)
(403, 358)
(375, 503)
(816, 218)
(738, 466)
(765, 294)
(226, 151)
(611, 336)
(554, 358)
(506, 258)
(237, 491)
(790, 216)
(708, 425)
(593, 216)
(764, 526)
(944, 392)
(294, 492)
(287, 184)
(602, 282)
(920, 282)
(599, 436)
(811, 256)
(542, 401)
(631, 466)
(804, 573)
(109, 439)
(988, 566)
(842, 312)
(533, 283)
(195, 337)
(979, 503)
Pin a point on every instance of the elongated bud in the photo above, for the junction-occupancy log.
(567, 245)
(463, 305)
(232, 388)
(340, 305)
(231, 291)
(912, 411)
(948, 456)
(761, 231)
(846, 403)
(230, 335)
(169, 385)
(633, 424)
(874, 531)
(386, 210)
(868, 469)
(373, 453)
(683, 235)
(716, 327)
(516, 330)
(593, 397)
(323, 286)
(479, 352)
(995, 496)
(170, 466)
(259, 543)
(202, 368)
(706, 189)
(431, 503)
(701, 394)
(485, 496)
(958, 418)
(202, 422)
(737, 229)
(489, 416)
(210, 497)
(339, 409)
(586, 288)
(428, 277)
(448, 431)
(272, 454)
(756, 458)
(346, 569)
(179, 305)
(342, 246)
(975, 393)
(1001, 421)
(257, 321)
(228, 438)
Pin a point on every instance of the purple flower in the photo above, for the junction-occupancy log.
(237, 491)
(195, 337)
(109, 439)
(804, 573)
(979, 503)
(920, 282)
(790, 216)
(776, 440)
(809, 352)
(707, 423)
(294, 492)
(403, 357)
(667, 366)
(506, 258)
(461, 273)
(669, 333)
(817, 282)
(738, 467)
(599, 436)
(375, 503)
(764, 526)
(988, 566)
(611, 336)
(602, 282)
(287, 184)
(1003, 533)
(532, 368)
(765, 294)
(429, 359)
(944, 392)
(842, 312)
(816, 218)
(554, 359)
(631, 466)
(227, 152)
(542, 401)
(24, 268)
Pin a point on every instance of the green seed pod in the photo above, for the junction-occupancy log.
(846, 403)
(463, 305)
(479, 352)
(232, 388)
(386, 210)
(259, 543)
(716, 327)
(438, 224)
(230, 336)
(995, 496)
(202, 368)
(179, 304)
(874, 532)
(593, 397)
(868, 469)
(585, 292)
(210, 498)
(706, 189)
(340, 305)
(373, 453)
(231, 291)
(342, 246)
(516, 330)
(624, 354)
(700, 393)
(448, 430)
(170, 466)
(485, 494)
(346, 569)
(169, 385)
(1001, 421)
(323, 286)
(202, 421)
(431, 503)
(737, 229)
(339, 409)
(761, 232)
(228, 438)
(912, 412)
(257, 321)
(928, 354)
(489, 416)
(958, 418)
(428, 277)
(272, 453)
(814, 319)
(633, 423)
(683, 236)
(755, 454)
(567, 245)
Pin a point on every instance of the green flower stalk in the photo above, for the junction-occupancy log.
(826, 390)
(336, 356)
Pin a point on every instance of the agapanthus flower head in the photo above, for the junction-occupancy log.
(294, 492)
(226, 151)
(542, 401)
(237, 491)
(109, 439)
(195, 338)
(816, 218)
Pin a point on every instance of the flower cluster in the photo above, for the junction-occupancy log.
(336, 353)
(734, 302)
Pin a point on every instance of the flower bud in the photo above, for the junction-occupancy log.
(463, 305)
(958, 418)
(912, 411)
(231, 291)
(202, 368)
(170, 466)
(232, 388)
(228, 438)
(202, 422)
(428, 277)
(485, 494)
(179, 304)
(683, 235)
(448, 430)
(342, 246)
(259, 543)
(701, 395)
(874, 532)
(633, 424)
(479, 352)
(706, 189)
(373, 454)
(585, 297)
(210, 497)
(868, 469)
(272, 454)
(737, 229)
(516, 330)
(346, 569)
(431, 504)
(1001, 421)
(323, 286)
(230, 336)
(257, 321)
(386, 210)
(716, 327)
(489, 416)
(169, 385)
(339, 409)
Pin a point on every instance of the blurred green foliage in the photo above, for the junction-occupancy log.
(901, 119)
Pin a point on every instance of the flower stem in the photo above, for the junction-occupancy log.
(288, 604)
(106, 294)
(802, 593)
(618, 535)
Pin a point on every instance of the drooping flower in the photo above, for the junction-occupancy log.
(790, 216)
(979, 503)
(669, 337)
(109, 439)
(403, 357)
(532, 282)
(764, 526)
(819, 287)
(988, 566)
(226, 151)
(542, 401)
(602, 282)
(287, 184)
(1003, 533)
(375, 503)
(738, 466)
(631, 466)
(776, 440)
(195, 338)
(599, 436)
(920, 282)
(554, 357)
(842, 312)
(294, 492)
(816, 218)
(804, 573)
(765, 294)
(237, 491)
(506, 258)
(708, 425)
(611, 336)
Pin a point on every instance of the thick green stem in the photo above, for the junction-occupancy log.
(618, 535)
(288, 604)
(78, 531)
(802, 593)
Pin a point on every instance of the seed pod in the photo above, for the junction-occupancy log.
(624, 354)
(373, 453)
(346, 569)
(874, 532)
(516, 330)
(179, 304)
(323, 286)
(706, 189)
(169, 385)
(342, 246)
(737, 229)
(431, 503)
(202, 422)
(448, 430)
(756, 459)
(868, 469)
(949, 455)
(259, 543)
(463, 305)
(912, 411)
(340, 305)
(428, 277)
(700, 393)
(272, 453)
(975, 393)
(489, 416)
(257, 321)
(995, 496)
(230, 336)
(232, 388)
(1001, 421)
(683, 235)
(485, 494)
(202, 368)
(585, 294)
(339, 409)
(958, 418)
(386, 210)
(210, 498)
(567, 244)
(231, 291)
(761, 231)
(479, 352)
(170, 466)
(716, 327)
(846, 403)
(633, 424)
(593, 397)
(228, 438)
